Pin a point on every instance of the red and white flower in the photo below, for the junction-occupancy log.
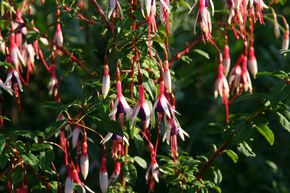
(253, 66)
(221, 84)
(226, 60)
(85, 160)
(58, 37)
(103, 175)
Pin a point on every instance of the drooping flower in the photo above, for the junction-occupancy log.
(235, 75)
(253, 66)
(260, 5)
(205, 19)
(162, 105)
(226, 60)
(85, 160)
(121, 105)
(106, 81)
(142, 109)
(246, 83)
(75, 136)
(167, 77)
(103, 175)
(114, 7)
(28, 54)
(221, 84)
(53, 86)
(153, 169)
(15, 55)
(285, 42)
(13, 81)
(164, 13)
(58, 37)
(69, 182)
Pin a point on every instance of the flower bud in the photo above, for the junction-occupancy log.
(226, 60)
(285, 42)
(85, 161)
(106, 82)
(167, 76)
(58, 37)
(253, 67)
(103, 176)
(69, 180)
(75, 136)
(2, 44)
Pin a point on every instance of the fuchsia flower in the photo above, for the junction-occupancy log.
(151, 11)
(221, 84)
(142, 109)
(106, 81)
(13, 81)
(75, 136)
(205, 19)
(285, 42)
(153, 169)
(114, 6)
(103, 175)
(5, 87)
(253, 66)
(69, 183)
(121, 105)
(15, 55)
(58, 37)
(226, 60)
(235, 75)
(162, 105)
(85, 160)
(260, 5)
(28, 54)
(167, 77)
(164, 13)
(53, 87)
(117, 152)
(22, 29)
(246, 83)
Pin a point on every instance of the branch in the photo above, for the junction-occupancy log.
(218, 152)
(103, 15)
(185, 51)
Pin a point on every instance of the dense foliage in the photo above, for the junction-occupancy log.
(139, 96)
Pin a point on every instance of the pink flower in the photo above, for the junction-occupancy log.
(75, 136)
(28, 54)
(106, 81)
(114, 6)
(162, 105)
(58, 37)
(285, 42)
(164, 13)
(167, 77)
(235, 75)
(253, 66)
(205, 19)
(15, 54)
(85, 160)
(260, 5)
(172, 126)
(53, 86)
(153, 169)
(13, 80)
(246, 83)
(142, 109)
(221, 84)
(5, 87)
(69, 180)
(103, 175)
(226, 60)
(121, 105)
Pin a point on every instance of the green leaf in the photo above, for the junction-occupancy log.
(284, 121)
(2, 142)
(40, 147)
(31, 159)
(266, 132)
(246, 149)
(54, 128)
(232, 155)
(140, 161)
(202, 53)
(17, 175)
(3, 160)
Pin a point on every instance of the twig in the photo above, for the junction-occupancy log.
(185, 51)
(103, 15)
(211, 160)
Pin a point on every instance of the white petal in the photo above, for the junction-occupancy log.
(85, 165)
(165, 105)
(68, 185)
(104, 181)
(105, 85)
(106, 138)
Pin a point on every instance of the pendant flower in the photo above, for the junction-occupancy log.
(142, 109)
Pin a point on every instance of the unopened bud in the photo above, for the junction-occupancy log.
(253, 67)
(103, 176)
(106, 81)
(167, 77)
